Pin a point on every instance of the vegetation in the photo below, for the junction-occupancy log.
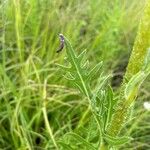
(40, 109)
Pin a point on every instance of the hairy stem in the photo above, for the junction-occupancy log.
(141, 45)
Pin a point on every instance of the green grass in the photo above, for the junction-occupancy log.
(37, 105)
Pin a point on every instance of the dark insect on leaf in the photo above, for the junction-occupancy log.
(62, 43)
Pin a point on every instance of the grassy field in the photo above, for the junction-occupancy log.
(38, 106)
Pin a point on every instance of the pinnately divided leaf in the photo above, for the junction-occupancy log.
(76, 72)
(100, 98)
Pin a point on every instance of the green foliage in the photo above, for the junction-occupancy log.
(81, 78)
(136, 73)
(101, 98)
(133, 86)
(141, 45)
(115, 141)
(77, 73)
(37, 105)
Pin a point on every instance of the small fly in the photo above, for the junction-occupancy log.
(62, 43)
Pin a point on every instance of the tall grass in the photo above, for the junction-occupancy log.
(37, 105)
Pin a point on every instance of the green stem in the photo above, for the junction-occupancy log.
(140, 49)
(104, 147)
(47, 124)
(18, 28)
(141, 45)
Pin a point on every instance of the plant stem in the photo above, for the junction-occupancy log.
(18, 28)
(81, 121)
(104, 147)
(141, 45)
(48, 125)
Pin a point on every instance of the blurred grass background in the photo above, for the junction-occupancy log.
(29, 75)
